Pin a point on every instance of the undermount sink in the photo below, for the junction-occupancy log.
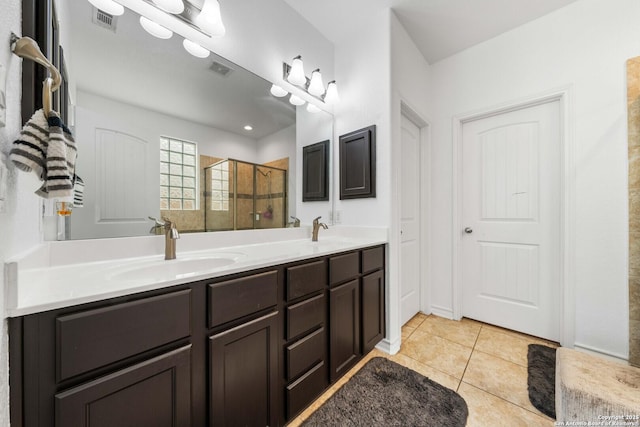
(160, 270)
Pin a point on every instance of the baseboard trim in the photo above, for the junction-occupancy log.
(602, 353)
(447, 313)
(388, 346)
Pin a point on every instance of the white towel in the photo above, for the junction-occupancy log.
(29, 151)
(60, 162)
(78, 193)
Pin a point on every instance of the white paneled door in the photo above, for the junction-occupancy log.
(510, 260)
(410, 221)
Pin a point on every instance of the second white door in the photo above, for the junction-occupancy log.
(510, 261)
(410, 221)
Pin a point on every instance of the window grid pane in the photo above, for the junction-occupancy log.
(178, 171)
(220, 187)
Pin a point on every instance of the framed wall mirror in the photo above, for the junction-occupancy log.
(161, 133)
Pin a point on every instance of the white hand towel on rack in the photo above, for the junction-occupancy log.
(29, 151)
(60, 162)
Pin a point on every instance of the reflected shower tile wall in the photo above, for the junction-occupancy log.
(633, 114)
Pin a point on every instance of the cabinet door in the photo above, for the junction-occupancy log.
(156, 393)
(244, 374)
(344, 307)
(372, 310)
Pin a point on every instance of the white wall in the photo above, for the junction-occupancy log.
(410, 86)
(278, 146)
(363, 74)
(312, 128)
(20, 224)
(364, 77)
(211, 141)
(583, 46)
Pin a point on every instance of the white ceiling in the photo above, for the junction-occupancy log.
(440, 28)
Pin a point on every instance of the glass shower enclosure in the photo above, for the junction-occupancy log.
(242, 196)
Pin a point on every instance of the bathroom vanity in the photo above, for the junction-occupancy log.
(252, 347)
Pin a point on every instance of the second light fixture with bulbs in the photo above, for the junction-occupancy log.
(295, 75)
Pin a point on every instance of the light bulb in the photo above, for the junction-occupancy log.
(210, 19)
(171, 6)
(248, 127)
(195, 49)
(296, 100)
(312, 108)
(155, 29)
(296, 74)
(277, 91)
(316, 87)
(332, 97)
(108, 6)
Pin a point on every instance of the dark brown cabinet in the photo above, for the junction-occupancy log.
(372, 310)
(344, 344)
(156, 393)
(249, 349)
(305, 338)
(243, 369)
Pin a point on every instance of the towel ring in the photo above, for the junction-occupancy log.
(26, 47)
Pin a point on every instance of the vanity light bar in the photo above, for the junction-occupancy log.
(329, 97)
(188, 15)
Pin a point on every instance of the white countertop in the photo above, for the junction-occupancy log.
(61, 274)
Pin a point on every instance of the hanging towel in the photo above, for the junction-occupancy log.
(29, 151)
(78, 193)
(60, 161)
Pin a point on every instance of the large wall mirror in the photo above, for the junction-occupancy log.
(161, 133)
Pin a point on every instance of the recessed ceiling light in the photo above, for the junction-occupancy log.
(248, 127)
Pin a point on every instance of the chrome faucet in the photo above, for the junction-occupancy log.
(157, 226)
(316, 227)
(294, 223)
(170, 236)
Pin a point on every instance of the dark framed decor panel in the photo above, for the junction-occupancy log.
(358, 164)
(315, 174)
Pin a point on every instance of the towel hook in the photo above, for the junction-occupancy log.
(26, 47)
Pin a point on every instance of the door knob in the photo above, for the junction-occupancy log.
(468, 230)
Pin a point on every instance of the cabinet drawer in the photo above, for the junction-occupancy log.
(241, 297)
(156, 392)
(305, 316)
(344, 267)
(304, 353)
(305, 279)
(96, 338)
(306, 389)
(372, 259)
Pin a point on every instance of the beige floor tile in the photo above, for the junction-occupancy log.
(501, 378)
(444, 355)
(533, 339)
(406, 332)
(463, 332)
(508, 346)
(416, 320)
(486, 409)
(429, 372)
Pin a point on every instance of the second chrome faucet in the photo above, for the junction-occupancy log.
(316, 227)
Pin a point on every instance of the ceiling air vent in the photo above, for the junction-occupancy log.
(220, 69)
(104, 20)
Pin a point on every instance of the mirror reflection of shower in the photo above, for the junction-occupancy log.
(241, 196)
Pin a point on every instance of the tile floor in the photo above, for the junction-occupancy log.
(485, 364)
